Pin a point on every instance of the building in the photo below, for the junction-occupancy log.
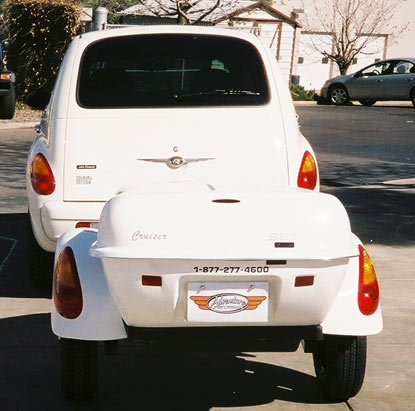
(277, 30)
(285, 28)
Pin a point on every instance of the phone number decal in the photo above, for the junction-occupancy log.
(231, 270)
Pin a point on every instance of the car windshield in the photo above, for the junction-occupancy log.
(171, 70)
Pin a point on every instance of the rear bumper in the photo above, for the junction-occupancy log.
(4, 92)
(226, 338)
(57, 217)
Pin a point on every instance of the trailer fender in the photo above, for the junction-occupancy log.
(99, 319)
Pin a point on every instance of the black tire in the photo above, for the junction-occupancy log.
(413, 97)
(40, 261)
(340, 365)
(79, 369)
(8, 104)
(338, 95)
(367, 103)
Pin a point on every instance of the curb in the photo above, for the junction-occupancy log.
(355, 104)
(12, 126)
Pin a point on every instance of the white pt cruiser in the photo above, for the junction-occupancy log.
(183, 203)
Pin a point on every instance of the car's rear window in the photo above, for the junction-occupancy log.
(171, 70)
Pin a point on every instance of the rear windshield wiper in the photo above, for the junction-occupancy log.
(218, 92)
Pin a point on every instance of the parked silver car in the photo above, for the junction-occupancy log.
(392, 79)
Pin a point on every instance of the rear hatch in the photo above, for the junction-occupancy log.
(233, 149)
(172, 107)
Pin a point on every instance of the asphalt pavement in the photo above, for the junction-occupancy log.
(381, 214)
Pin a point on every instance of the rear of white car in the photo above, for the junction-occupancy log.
(118, 116)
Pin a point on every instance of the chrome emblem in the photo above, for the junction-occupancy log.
(176, 162)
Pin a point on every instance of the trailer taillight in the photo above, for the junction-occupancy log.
(68, 293)
(307, 175)
(368, 297)
(41, 176)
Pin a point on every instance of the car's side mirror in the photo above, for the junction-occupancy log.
(38, 99)
(358, 74)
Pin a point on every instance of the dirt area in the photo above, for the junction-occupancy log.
(24, 116)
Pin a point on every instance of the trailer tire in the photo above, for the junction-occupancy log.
(340, 364)
(79, 369)
(40, 261)
(8, 104)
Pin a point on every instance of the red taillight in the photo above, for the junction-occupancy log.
(368, 297)
(83, 224)
(41, 176)
(151, 280)
(307, 176)
(68, 293)
(304, 281)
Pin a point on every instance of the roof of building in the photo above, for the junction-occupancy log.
(225, 10)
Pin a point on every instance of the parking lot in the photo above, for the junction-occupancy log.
(367, 159)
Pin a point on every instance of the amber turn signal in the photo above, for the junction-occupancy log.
(368, 296)
(307, 176)
(41, 176)
(67, 287)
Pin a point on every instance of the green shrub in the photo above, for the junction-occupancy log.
(300, 93)
(40, 31)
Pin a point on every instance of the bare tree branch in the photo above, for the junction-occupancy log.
(352, 25)
(187, 11)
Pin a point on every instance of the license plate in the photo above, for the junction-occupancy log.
(227, 302)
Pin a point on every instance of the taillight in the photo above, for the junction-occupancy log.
(68, 293)
(151, 280)
(307, 176)
(368, 297)
(83, 224)
(41, 176)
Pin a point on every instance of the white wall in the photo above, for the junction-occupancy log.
(404, 44)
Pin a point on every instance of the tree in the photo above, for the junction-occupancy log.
(352, 25)
(187, 11)
(113, 6)
(40, 31)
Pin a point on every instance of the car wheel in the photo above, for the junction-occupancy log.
(340, 364)
(367, 103)
(40, 261)
(338, 95)
(79, 368)
(413, 97)
(8, 104)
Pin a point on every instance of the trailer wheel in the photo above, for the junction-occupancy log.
(8, 104)
(40, 261)
(79, 364)
(340, 364)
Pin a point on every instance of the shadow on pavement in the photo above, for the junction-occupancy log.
(13, 164)
(385, 217)
(14, 277)
(134, 379)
